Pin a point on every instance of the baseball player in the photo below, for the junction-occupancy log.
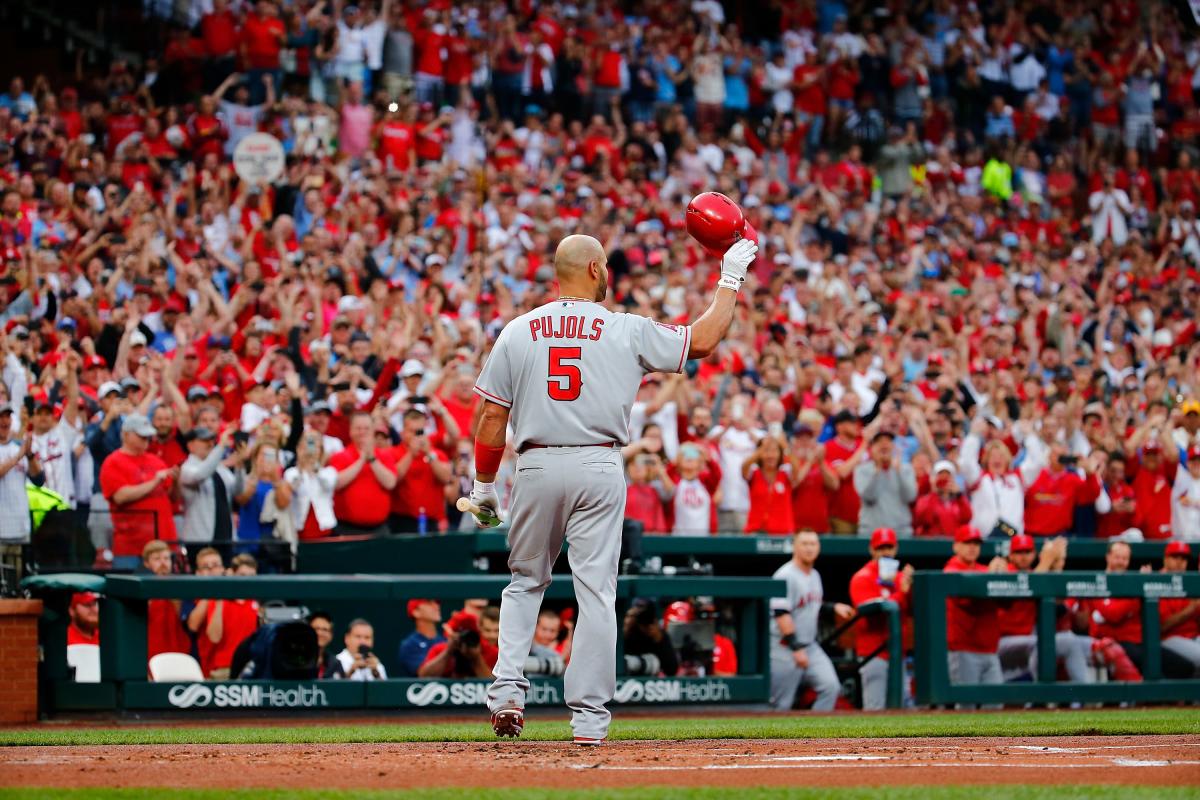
(796, 657)
(564, 376)
(1017, 647)
(879, 578)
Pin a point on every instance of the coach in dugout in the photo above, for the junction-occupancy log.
(1018, 640)
(1180, 616)
(880, 579)
(972, 625)
(1120, 618)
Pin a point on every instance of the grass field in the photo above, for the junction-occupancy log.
(1141, 721)
(1016, 792)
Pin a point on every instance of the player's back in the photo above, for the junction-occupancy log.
(570, 370)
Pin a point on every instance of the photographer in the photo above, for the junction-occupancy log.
(463, 655)
(357, 661)
(941, 511)
(648, 651)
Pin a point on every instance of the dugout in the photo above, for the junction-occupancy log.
(381, 598)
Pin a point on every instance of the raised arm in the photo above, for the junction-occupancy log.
(710, 329)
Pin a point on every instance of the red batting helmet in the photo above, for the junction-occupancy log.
(716, 222)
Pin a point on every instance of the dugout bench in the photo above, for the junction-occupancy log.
(931, 590)
(123, 613)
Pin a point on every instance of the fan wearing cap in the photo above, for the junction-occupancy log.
(1018, 640)
(55, 432)
(84, 612)
(1180, 616)
(1187, 430)
(139, 488)
(843, 453)
(942, 510)
(972, 624)
(881, 578)
(15, 464)
(208, 486)
(796, 655)
(1185, 499)
(426, 615)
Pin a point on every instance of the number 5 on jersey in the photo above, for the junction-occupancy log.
(564, 380)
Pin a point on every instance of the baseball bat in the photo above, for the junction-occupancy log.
(485, 516)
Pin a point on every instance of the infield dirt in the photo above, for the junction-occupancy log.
(1144, 760)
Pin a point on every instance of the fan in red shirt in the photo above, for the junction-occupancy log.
(1120, 517)
(1051, 498)
(815, 479)
(139, 488)
(879, 582)
(263, 34)
(164, 631)
(1179, 617)
(422, 472)
(397, 140)
(218, 29)
(366, 477)
(772, 477)
(649, 487)
(84, 612)
(843, 453)
(221, 625)
(943, 509)
(972, 624)
(1153, 478)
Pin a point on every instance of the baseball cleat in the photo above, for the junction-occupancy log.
(589, 741)
(509, 722)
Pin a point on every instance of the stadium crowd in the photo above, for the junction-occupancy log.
(974, 306)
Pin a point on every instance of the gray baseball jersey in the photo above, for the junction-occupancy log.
(570, 370)
(805, 594)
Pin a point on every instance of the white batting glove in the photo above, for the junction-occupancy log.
(735, 262)
(484, 496)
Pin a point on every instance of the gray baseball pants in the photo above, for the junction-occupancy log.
(874, 675)
(786, 678)
(1186, 648)
(576, 493)
(1021, 652)
(971, 668)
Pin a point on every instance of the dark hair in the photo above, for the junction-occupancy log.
(316, 615)
(492, 613)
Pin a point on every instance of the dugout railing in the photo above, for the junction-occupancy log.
(931, 666)
(124, 684)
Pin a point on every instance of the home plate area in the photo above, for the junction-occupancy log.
(1143, 760)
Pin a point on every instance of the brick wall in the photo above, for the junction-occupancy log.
(18, 660)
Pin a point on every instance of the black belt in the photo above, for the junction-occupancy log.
(535, 446)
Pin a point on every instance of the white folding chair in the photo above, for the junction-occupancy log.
(173, 667)
(85, 658)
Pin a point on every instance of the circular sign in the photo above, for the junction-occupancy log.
(258, 158)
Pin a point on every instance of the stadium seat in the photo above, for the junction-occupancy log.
(85, 659)
(175, 667)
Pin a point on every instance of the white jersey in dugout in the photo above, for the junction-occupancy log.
(570, 370)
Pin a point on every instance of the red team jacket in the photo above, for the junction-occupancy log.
(972, 625)
(873, 631)
(1117, 618)
(1018, 617)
